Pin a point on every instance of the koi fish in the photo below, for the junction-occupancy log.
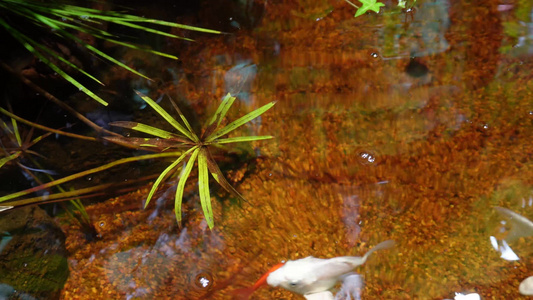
(313, 275)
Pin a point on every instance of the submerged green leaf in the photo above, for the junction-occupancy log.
(144, 128)
(203, 186)
(239, 122)
(181, 184)
(239, 139)
(164, 173)
(168, 117)
(5, 160)
(222, 109)
(88, 172)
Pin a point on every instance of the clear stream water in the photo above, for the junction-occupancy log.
(412, 126)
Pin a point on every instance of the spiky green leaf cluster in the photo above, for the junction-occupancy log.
(198, 149)
(61, 19)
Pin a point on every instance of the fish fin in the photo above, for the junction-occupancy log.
(521, 226)
(243, 294)
(383, 245)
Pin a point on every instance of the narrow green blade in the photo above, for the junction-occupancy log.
(5, 160)
(102, 54)
(25, 41)
(242, 139)
(182, 116)
(16, 131)
(167, 117)
(239, 122)
(164, 173)
(137, 47)
(222, 109)
(144, 128)
(203, 187)
(147, 29)
(88, 172)
(181, 184)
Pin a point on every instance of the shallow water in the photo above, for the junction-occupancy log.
(410, 127)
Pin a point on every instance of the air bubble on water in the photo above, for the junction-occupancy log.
(367, 157)
(203, 280)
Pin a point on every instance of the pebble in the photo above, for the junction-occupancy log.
(526, 286)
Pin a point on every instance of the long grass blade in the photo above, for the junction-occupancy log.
(167, 117)
(242, 139)
(35, 125)
(164, 173)
(57, 196)
(222, 109)
(203, 187)
(239, 122)
(26, 42)
(88, 172)
(138, 47)
(102, 54)
(219, 115)
(5, 160)
(144, 128)
(111, 16)
(183, 119)
(181, 184)
(16, 131)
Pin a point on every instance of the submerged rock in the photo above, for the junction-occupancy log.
(33, 257)
(526, 286)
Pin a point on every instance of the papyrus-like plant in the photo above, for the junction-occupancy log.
(196, 149)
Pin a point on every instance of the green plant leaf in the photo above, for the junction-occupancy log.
(144, 128)
(181, 184)
(239, 139)
(164, 173)
(168, 117)
(9, 158)
(239, 122)
(51, 130)
(88, 172)
(182, 116)
(222, 110)
(16, 131)
(203, 187)
(26, 42)
(373, 5)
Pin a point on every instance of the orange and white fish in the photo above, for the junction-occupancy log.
(313, 275)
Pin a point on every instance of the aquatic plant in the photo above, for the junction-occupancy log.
(61, 19)
(15, 148)
(373, 5)
(189, 144)
(197, 149)
(367, 5)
